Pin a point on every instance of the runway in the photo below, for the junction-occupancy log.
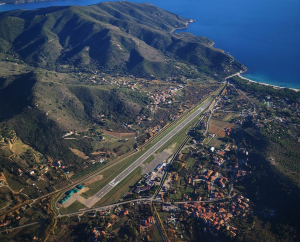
(101, 193)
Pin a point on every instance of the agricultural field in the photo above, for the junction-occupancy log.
(217, 142)
(18, 147)
(218, 127)
(230, 117)
(119, 135)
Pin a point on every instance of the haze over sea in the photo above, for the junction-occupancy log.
(264, 35)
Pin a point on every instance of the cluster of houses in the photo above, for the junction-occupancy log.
(153, 130)
(14, 217)
(240, 173)
(5, 223)
(104, 79)
(218, 195)
(162, 96)
(228, 131)
(215, 216)
(295, 108)
(97, 234)
(218, 215)
(148, 222)
(34, 173)
(222, 181)
(239, 205)
(143, 117)
(210, 176)
(218, 160)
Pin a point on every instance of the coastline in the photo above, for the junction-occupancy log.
(186, 25)
(266, 84)
(241, 72)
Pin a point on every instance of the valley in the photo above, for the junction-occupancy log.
(115, 128)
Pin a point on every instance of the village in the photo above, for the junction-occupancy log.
(201, 182)
(204, 182)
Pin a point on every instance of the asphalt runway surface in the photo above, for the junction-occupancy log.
(101, 193)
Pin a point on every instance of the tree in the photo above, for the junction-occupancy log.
(128, 233)
(197, 134)
(176, 166)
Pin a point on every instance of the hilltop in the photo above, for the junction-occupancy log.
(22, 1)
(122, 36)
(109, 67)
(74, 67)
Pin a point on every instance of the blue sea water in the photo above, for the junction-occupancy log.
(264, 35)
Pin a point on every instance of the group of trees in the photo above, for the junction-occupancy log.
(263, 90)
(197, 134)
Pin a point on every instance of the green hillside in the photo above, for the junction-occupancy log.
(69, 68)
(123, 36)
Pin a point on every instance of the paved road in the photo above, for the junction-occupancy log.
(19, 227)
(104, 207)
(100, 194)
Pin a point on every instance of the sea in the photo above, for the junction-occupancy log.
(264, 35)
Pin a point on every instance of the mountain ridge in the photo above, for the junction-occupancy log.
(22, 1)
(137, 36)
(62, 48)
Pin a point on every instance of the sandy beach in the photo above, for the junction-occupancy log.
(276, 87)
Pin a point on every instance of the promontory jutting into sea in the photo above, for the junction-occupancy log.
(263, 35)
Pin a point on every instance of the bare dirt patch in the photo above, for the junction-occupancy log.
(213, 129)
(171, 149)
(221, 134)
(216, 130)
(79, 153)
(70, 174)
(119, 135)
(219, 124)
(218, 127)
(2, 177)
(93, 179)
(98, 153)
(19, 147)
(231, 126)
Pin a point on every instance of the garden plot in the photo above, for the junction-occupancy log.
(218, 127)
